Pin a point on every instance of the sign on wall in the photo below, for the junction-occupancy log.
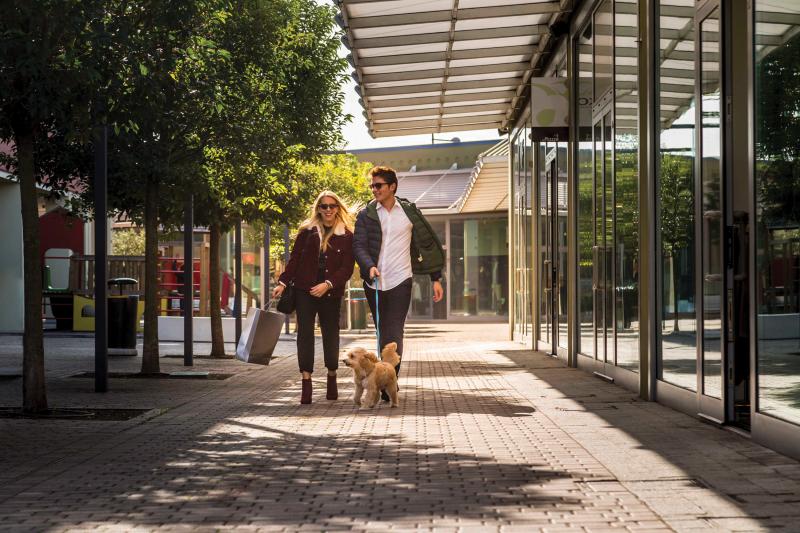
(549, 109)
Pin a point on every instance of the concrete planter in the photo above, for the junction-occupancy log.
(781, 326)
(170, 328)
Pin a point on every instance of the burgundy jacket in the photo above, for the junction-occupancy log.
(304, 261)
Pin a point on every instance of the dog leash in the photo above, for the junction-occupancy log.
(377, 316)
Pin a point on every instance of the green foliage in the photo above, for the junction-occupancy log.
(343, 174)
(281, 106)
(48, 57)
(127, 242)
(778, 136)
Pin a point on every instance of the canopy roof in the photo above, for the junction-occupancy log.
(429, 66)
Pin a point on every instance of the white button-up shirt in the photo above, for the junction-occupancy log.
(394, 261)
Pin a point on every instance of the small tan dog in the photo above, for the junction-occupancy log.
(374, 375)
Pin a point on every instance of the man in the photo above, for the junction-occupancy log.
(392, 241)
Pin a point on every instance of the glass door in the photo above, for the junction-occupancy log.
(546, 265)
(603, 249)
(713, 217)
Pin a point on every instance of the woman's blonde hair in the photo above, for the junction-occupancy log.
(344, 216)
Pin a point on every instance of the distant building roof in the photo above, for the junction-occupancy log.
(433, 189)
(487, 190)
(425, 156)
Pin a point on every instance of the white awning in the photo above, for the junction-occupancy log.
(430, 66)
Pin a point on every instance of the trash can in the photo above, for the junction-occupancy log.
(358, 308)
(122, 311)
(343, 314)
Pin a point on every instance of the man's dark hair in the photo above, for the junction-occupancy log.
(387, 173)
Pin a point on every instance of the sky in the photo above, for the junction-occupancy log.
(356, 135)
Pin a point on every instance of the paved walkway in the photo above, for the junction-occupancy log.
(488, 437)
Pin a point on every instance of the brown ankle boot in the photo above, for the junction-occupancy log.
(333, 390)
(305, 396)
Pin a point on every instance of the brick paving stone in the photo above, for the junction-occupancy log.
(488, 436)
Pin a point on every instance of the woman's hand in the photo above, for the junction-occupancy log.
(277, 291)
(319, 290)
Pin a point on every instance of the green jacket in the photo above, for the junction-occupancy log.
(427, 254)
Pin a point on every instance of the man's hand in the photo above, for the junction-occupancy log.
(277, 291)
(319, 290)
(438, 291)
(373, 273)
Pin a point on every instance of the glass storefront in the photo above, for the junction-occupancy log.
(626, 186)
(777, 203)
(521, 165)
(607, 175)
(479, 267)
(714, 121)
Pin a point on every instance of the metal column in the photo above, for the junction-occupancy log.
(237, 302)
(101, 260)
(188, 281)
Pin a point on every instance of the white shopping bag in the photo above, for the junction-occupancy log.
(259, 336)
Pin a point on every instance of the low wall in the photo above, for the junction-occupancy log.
(780, 326)
(170, 328)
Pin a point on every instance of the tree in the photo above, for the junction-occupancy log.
(281, 104)
(49, 77)
(676, 182)
(169, 66)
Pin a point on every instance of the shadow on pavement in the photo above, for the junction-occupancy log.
(762, 483)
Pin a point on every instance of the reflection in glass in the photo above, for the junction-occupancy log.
(518, 196)
(545, 259)
(603, 46)
(585, 194)
(561, 243)
(479, 267)
(678, 343)
(777, 232)
(597, 249)
(608, 236)
(421, 302)
(626, 187)
(528, 220)
(711, 203)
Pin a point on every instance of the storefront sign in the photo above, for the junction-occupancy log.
(550, 109)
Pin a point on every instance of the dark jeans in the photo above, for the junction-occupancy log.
(308, 307)
(393, 308)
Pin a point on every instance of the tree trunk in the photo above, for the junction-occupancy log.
(217, 337)
(34, 394)
(150, 362)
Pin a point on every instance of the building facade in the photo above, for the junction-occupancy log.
(655, 238)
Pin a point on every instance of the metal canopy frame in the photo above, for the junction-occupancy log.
(433, 66)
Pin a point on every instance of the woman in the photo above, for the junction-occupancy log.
(320, 264)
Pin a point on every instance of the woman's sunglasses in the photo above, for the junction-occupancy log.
(326, 207)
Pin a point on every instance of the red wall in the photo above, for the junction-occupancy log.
(60, 231)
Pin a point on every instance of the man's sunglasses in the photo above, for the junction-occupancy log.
(377, 185)
(326, 207)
